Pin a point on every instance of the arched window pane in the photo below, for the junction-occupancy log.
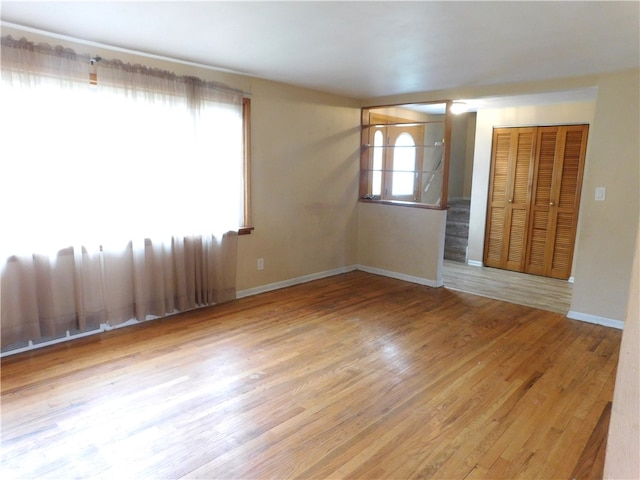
(376, 181)
(404, 159)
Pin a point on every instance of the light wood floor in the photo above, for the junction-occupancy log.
(354, 376)
(532, 290)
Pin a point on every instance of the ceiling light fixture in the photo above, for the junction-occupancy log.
(458, 108)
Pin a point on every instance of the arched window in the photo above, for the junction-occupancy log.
(404, 160)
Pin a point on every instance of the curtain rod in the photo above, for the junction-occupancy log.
(68, 38)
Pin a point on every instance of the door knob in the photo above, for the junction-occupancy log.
(551, 204)
(511, 200)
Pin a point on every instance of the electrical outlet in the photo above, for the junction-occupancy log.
(261, 264)
(601, 193)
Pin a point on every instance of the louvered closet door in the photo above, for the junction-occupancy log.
(508, 213)
(556, 199)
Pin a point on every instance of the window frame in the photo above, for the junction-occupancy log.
(247, 227)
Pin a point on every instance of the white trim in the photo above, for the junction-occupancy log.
(402, 276)
(293, 281)
(475, 263)
(571, 279)
(66, 338)
(104, 327)
(587, 317)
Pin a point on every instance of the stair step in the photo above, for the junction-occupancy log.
(459, 208)
(455, 242)
(455, 255)
(459, 217)
(459, 204)
(457, 229)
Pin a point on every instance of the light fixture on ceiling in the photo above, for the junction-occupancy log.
(458, 108)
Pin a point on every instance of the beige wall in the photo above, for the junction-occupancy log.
(469, 155)
(607, 230)
(404, 242)
(305, 167)
(462, 155)
(623, 444)
(458, 158)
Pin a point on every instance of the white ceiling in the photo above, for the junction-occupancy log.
(360, 49)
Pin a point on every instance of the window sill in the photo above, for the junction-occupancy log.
(245, 230)
(405, 204)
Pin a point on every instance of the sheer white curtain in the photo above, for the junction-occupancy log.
(119, 200)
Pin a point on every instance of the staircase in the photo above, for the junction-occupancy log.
(457, 233)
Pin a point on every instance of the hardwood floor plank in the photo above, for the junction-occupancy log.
(353, 376)
(590, 466)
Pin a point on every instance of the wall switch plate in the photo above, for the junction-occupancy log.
(600, 193)
(261, 264)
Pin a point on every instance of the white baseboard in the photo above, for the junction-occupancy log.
(104, 327)
(402, 276)
(475, 263)
(293, 281)
(587, 317)
(571, 279)
(68, 336)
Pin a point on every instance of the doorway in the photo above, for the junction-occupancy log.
(460, 175)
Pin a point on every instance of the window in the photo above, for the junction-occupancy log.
(124, 187)
(404, 156)
(403, 167)
(140, 153)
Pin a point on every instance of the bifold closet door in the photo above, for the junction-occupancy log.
(509, 197)
(556, 198)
